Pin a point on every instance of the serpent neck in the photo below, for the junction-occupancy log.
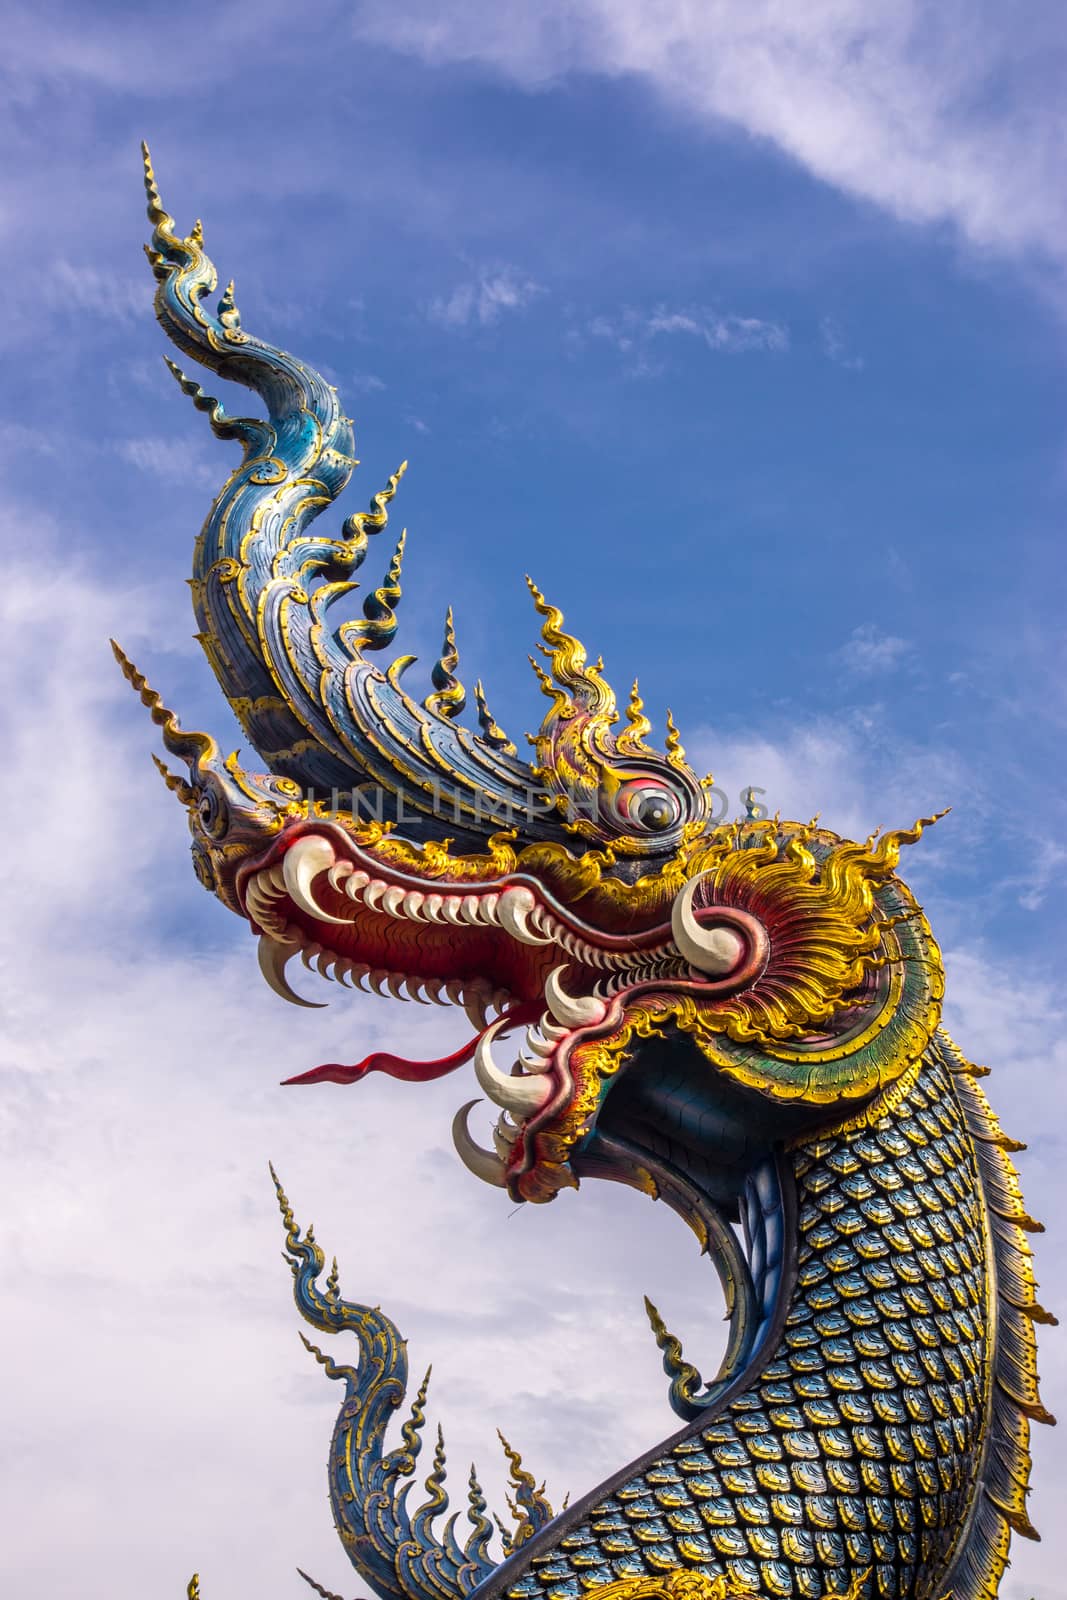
(856, 1448)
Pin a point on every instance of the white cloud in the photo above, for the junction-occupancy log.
(78, 286)
(365, 383)
(835, 348)
(937, 114)
(19, 439)
(481, 299)
(869, 651)
(1045, 872)
(148, 1311)
(170, 460)
(838, 767)
(720, 332)
(633, 333)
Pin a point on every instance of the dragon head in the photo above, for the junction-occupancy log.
(657, 998)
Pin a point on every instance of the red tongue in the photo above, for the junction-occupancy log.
(395, 1066)
(400, 1066)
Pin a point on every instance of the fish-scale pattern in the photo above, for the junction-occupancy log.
(856, 1447)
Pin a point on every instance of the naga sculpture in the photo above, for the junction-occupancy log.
(740, 1019)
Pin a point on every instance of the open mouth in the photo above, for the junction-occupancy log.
(554, 999)
(671, 1032)
(544, 987)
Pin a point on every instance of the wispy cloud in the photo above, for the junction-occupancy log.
(870, 651)
(634, 332)
(729, 333)
(482, 299)
(876, 98)
(835, 348)
(837, 767)
(18, 439)
(170, 460)
(113, 297)
(144, 1073)
(150, 1087)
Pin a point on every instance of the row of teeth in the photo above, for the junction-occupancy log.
(285, 942)
(477, 1000)
(261, 896)
(635, 975)
(515, 909)
(525, 1089)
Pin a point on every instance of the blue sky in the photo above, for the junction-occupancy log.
(745, 334)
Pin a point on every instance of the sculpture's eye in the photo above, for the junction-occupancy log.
(651, 807)
(655, 811)
(213, 812)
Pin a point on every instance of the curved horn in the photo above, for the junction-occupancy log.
(309, 856)
(713, 947)
(573, 1011)
(273, 960)
(521, 1096)
(483, 1163)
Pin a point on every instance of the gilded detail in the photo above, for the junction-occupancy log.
(742, 1021)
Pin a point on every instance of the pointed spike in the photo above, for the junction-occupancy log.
(437, 1494)
(413, 1427)
(477, 1546)
(379, 609)
(632, 739)
(547, 686)
(324, 1594)
(530, 1508)
(157, 216)
(516, 1472)
(291, 1226)
(686, 1382)
(449, 695)
(332, 1368)
(222, 425)
(185, 792)
(570, 669)
(675, 748)
(492, 732)
(357, 528)
(229, 315)
(195, 749)
(400, 1463)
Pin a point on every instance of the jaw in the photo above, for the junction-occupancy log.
(484, 932)
(419, 922)
(572, 978)
(606, 1052)
(539, 941)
